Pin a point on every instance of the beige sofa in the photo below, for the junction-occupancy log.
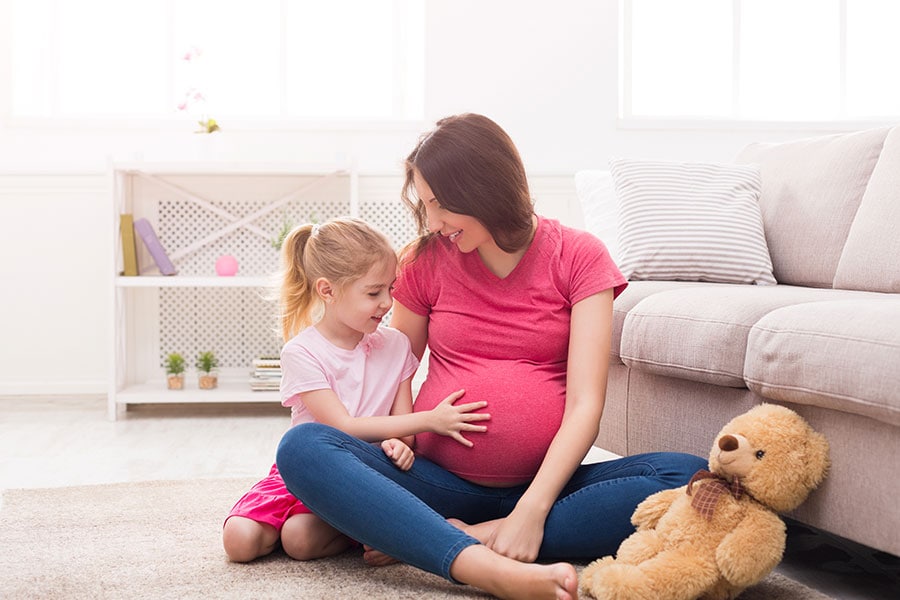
(687, 356)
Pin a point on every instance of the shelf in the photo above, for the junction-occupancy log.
(227, 392)
(229, 168)
(200, 212)
(177, 281)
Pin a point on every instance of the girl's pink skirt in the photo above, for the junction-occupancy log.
(269, 501)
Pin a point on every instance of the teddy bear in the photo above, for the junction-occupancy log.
(721, 533)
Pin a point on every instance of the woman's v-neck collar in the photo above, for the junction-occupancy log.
(486, 273)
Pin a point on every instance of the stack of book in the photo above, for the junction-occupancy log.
(266, 375)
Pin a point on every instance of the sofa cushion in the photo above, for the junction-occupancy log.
(869, 259)
(699, 332)
(843, 355)
(811, 189)
(690, 221)
(634, 293)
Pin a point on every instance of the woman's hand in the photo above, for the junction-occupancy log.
(451, 419)
(399, 453)
(519, 535)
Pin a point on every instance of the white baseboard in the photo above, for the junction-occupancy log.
(53, 388)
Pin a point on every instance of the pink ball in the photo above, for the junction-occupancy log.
(226, 265)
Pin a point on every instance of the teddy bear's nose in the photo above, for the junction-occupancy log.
(728, 443)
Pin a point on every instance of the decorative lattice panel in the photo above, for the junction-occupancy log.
(392, 218)
(240, 324)
(228, 198)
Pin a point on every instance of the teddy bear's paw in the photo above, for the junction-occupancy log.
(585, 580)
(609, 580)
(722, 590)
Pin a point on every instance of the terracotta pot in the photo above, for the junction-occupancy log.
(208, 381)
(175, 382)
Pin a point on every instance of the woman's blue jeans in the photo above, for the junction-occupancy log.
(354, 487)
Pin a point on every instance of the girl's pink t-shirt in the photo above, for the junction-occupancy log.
(504, 341)
(365, 379)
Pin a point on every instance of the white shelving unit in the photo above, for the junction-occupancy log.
(199, 212)
(153, 281)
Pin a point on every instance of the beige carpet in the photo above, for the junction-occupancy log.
(162, 540)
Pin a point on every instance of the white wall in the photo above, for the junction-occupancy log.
(545, 70)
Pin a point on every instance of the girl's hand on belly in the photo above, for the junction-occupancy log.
(452, 420)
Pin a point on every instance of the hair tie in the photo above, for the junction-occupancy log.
(315, 229)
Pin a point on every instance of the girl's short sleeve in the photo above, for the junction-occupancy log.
(412, 363)
(300, 372)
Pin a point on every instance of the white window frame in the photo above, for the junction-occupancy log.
(626, 120)
(176, 122)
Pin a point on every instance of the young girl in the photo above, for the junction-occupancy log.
(344, 371)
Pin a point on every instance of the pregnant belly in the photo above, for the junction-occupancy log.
(526, 407)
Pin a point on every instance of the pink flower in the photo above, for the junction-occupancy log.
(370, 341)
(191, 97)
(192, 53)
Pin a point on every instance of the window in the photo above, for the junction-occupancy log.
(267, 59)
(760, 60)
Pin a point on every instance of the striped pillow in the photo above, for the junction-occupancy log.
(690, 222)
(597, 198)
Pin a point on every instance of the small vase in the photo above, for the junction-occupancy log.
(208, 381)
(175, 382)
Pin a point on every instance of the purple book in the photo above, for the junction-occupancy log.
(145, 231)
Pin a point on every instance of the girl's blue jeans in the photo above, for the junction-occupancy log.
(353, 486)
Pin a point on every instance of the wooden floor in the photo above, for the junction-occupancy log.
(53, 442)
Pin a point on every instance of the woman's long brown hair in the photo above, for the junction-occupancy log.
(473, 168)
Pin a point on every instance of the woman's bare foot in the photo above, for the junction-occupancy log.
(504, 577)
(480, 531)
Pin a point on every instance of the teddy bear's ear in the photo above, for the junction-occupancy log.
(816, 458)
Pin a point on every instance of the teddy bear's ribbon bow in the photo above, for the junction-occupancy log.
(707, 496)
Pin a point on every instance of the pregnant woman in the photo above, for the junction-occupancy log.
(515, 309)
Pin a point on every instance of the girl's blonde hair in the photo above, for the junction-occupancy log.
(340, 250)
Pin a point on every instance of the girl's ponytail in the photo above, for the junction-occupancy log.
(296, 298)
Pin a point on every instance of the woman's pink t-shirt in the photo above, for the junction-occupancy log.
(504, 341)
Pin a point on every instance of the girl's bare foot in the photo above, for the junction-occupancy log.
(377, 558)
(479, 531)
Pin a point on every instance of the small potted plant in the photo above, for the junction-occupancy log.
(175, 371)
(286, 226)
(206, 366)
